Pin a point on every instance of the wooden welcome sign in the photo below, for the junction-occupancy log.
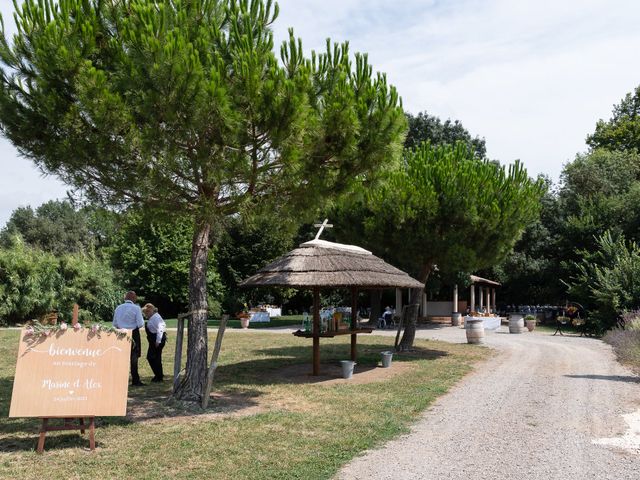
(76, 372)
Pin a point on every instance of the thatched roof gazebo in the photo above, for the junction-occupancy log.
(320, 264)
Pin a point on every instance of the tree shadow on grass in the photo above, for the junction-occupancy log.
(612, 378)
(368, 353)
(28, 440)
(297, 360)
(147, 403)
(234, 391)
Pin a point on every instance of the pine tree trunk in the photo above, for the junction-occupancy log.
(193, 384)
(410, 319)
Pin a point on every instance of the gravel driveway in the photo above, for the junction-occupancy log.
(535, 411)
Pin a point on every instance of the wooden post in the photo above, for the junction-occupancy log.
(74, 318)
(354, 316)
(43, 433)
(177, 362)
(92, 433)
(425, 313)
(214, 361)
(316, 331)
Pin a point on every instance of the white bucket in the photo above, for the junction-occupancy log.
(347, 368)
(386, 359)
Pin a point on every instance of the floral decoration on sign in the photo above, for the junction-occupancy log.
(37, 330)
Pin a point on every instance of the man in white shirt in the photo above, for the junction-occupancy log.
(129, 315)
(157, 337)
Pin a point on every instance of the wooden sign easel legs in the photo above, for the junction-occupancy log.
(68, 422)
(68, 425)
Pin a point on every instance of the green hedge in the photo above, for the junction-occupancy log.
(33, 282)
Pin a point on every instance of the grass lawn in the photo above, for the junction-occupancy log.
(263, 422)
(284, 321)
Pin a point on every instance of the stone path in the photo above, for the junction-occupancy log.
(544, 408)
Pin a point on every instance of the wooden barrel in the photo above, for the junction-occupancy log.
(516, 323)
(475, 331)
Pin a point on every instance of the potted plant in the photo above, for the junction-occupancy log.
(244, 317)
(530, 321)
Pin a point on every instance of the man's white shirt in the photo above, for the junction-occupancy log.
(128, 315)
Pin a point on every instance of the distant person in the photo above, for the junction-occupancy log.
(387, 316)
(129, 315)
(157, 337)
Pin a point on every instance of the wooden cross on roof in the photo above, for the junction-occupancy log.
(322, 227)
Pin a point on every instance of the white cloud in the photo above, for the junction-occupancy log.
(532, 77)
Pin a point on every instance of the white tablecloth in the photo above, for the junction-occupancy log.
(489, 323)
(259, 317)
(274, 311)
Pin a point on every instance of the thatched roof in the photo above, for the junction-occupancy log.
(475, 279)
(319, 263)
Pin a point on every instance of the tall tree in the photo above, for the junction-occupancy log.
(55, 226)
(152, 257)
(445, 207)
(246, 247)
(429, 128)
(606, 280)
(599, 192)
(183, 108)
(622, 131)
(531, 273)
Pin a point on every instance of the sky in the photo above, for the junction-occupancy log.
(530, 76)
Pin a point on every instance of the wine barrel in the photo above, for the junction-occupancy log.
(516, 323)
(475, 331)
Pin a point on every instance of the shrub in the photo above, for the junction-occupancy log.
(606, 280)
(28, 282)
(33, 282)
(626, 345)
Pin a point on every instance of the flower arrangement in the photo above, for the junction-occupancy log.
(244, 313)
(37, 330)
(571, 311)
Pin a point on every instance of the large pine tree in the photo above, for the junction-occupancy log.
(181, 106)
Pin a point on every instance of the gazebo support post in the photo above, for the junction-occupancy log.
(472, 299)
(493, 300)
(354, 323)
(316, 331)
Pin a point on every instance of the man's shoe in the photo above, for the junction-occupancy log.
(138, 384)
(157, 380)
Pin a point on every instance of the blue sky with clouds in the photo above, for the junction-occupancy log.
(530, 76)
